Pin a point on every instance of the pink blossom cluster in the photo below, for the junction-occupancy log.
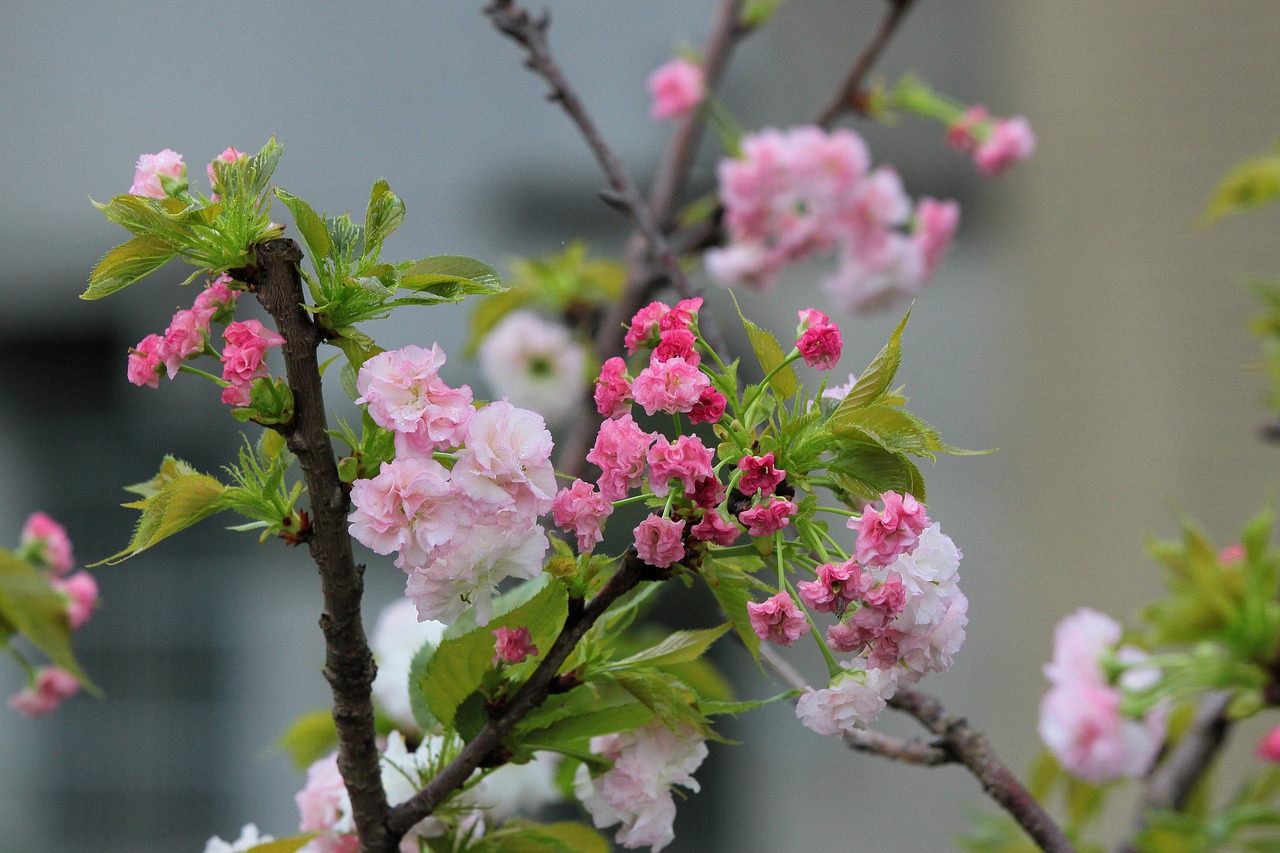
(186, 337)
(995, 143)
(637, 791)
(44, 543)
(457, 532)
(244, 358)
(676, 89)
(150, 169)
(804, 191)
(513, 645)
(1081, 721)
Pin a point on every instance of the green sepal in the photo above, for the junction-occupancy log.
(173, 500)
(270, 402)
(33, 608)
(128, 263)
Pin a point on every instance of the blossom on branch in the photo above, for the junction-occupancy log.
(676, 88)
(152, 167)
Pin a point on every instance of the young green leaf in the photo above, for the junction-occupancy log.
(679, 647)
(770, 355)
(309, 224)
(31, 606)
(1250, 184)
(446, 273)
(384, 215)
(174, 500)
(128, 263)
(878, 376)
(310, 737)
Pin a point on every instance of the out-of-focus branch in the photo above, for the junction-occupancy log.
(898, 749)
(1170, 784)
(849, 97)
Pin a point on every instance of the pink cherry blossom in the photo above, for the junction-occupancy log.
(849, 637)
(1080, 641)
(894, 530)
(404, 393)
(686, 459)
(186, 336)
(581, 510)
(820, 345)
(922, 649)
(836, 587)
(81, 591)
(1010, 141)
(513, 645)
(1083, 727)
(146, 176)
(715, 529)
(682, 315)
(146, 361)
(620, 452)
(243, 358)
(778, 619)
(1268, 748)
(875, 270)
(677, 343)
(45, 542)
(768, 518)
(506, 464)
(676, 88)
(409, 508)
(229, 155)
(52, 687)
(759, 475)
(962, 134)
(613, 389)
(936, 223)
(659, 541)
(669, 386)
(325, 806)
(852, 700)
(636, 791)
(707, 492)
(218, 297)
(643, 330)
(710, 407)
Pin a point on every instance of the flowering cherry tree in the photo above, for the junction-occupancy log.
(627, 453)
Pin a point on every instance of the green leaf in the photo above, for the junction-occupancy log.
(126, 264)
(457, 668)
(731, 589)
(1250, 184)
(866, 471)
(679, 647)
(892, 428)
(284, 845)
(309, 224)
(670, 699)
(713, 708)
(517, 837)
(758, 12)
(39, 613)
(418, 687)
(590, 724)
(384, 215)
(310, 737)
(878, 376)
(445, 275)
(174, 503)
(770, 355)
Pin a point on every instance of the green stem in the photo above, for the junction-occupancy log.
(764, 383)
(848, 513)
(634, 499)
(782, 565)
(833, 668)
(186, 368)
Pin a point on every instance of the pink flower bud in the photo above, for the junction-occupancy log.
(883, 536)
(676, 88)
(1268, 749)
(820, 345)
(46, 541)
(710, 407)
(513, 645)
(1011, 141)
(146, 361)
(613, 389)
(230, 155)
(81, 591)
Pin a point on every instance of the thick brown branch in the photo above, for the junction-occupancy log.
(530, 695)
(849, 96)
(348, 663)
(970, 748)
(1170, 784)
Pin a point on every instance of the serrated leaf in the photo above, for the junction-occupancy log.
(769, 354)
(1250, 184)
(309, 224)
(142, 215)
(457, 668)
(678, 647)
(176, 503)
(384, 215)
(731, 589)
(878, 376)
(590, 724)
(670, 699)
(866, 471)
(443, 272)
(126, 264)
(893, 429)
(310, 737)
(36, 611)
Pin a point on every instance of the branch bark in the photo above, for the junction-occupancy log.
(849, 96)
(348, 665)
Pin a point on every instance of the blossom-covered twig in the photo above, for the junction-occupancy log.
(487, 743)
(348, 662)
(1171, 782)
(970, 748)
(849, 95)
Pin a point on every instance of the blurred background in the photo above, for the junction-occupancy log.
(1085, 325)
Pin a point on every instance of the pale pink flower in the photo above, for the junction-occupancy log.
(535, 364)
(778, 619)
(325, 806)
(836, 586)
(820, 345)
(513, 645)
(620, 452)
(759, 475)
(715, 529)
(686, 459)
(52, 687)
(766, 519)
(396, 638)
(229, 155)
(669, 386)
(249, 838)
(1083, 727)
(894, 530)
(411, 507)
(45, 542)
(922, 649)
(1080, 641)
(839, 392)
(852, 700)
(613, 389)
(237, 395)
(849, 637)
(748, 263)
(404, 393)
(506, 464)
(929, 572)
(875, 270)
(810, 317)
(643, 330)
(676, 88)
(636, 791)
(936, 223)
(186, 336)
(81, 591)
(146, 176)
(146, 361)
(217, 298)
(243, 358)
(467, 569)
(581, 510)
(1010, 141)
(659, 541)
(710, 407)
(880, 202)
(1268, 748)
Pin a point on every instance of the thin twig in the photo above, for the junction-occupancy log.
(898, 749)
(348, 665)
(849, 96)
(1170, 784)
(970, 748)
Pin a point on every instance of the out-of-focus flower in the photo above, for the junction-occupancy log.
(535, 364)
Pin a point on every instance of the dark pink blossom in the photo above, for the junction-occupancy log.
(682, 316)
(613, 389)
(836, 586)
(52, 687)
(218, 300)
(778, 619)
(707, 492)
(769, 518)
(659, 541)
(709, 408)
(186, 336)
(677, 343)
(620, 452)
(820, 345)
(1268, 748)
(513, 645)
(885, 534)
(686, 459)
(643, 330)
(581, 510)
(759, 475)
(146, 361)
(715, 529)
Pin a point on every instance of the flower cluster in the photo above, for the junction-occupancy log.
(1081, 720)
(803, 191)
(457, 531)
(995, 143)
(44, 544)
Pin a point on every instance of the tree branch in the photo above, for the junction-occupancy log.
(1170, 784)
(898, 749)
(348, 665)
(970, 748)
(849, 96)
(487, 744)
